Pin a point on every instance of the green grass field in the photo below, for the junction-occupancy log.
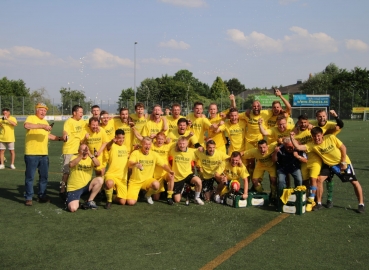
(158, 236)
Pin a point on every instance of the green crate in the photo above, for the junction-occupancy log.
(235, 201)
(258, 199)
(296, 203)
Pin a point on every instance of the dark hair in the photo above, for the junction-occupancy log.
(182, 120)
(74, 108)
(316, 130)
(319, 111)
(139, 105)
(210, 142)
(123, 109)
(93, 119)
(260, 142)
(103, 112)
(303, 117)
(198, 103)
(119, 132)
(94, 107)
(5, 110)
(235, 154)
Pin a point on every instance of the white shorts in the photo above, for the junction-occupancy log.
(9, 145)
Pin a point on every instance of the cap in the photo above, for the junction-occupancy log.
(41, 105)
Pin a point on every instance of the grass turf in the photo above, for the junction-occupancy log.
(163, 237)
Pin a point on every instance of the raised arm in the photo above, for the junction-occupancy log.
(285, 101)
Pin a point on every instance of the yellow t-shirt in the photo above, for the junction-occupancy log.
(328, 150)
(152, 127)
(36, 141)
(80, 174)
(233, 173)
(181, 162)
(199, 126)
(163, 152)
(128, 134)
(174, 136)
(76, 130)
(218, 138)
(253, 133)
(7, 130)
(304, 137)
(148, 162)
(236, 134)
(110, 129)
(263, 161)
(210, 164)
(118, 161)
(139, 124)
(96, 139)
(275, 134)
(328, 125)
(172, 123)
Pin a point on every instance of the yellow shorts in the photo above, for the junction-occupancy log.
(314, 168)
(259, 172)
(120, 185)
(135, 187)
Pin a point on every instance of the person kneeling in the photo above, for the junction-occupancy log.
(79, 182)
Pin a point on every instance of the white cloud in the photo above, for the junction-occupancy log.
(173, 44)
(102, 59)
(356, 45)
(299, 41)
(255, 41)
(24, 55)
(164, 61)
(186, 3)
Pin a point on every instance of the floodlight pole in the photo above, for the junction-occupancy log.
(134, 82)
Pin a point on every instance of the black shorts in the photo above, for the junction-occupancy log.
(347, 175)
(178, 186)
(325, 171)
(208, 184)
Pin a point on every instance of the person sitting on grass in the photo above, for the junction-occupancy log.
(79, 181)
(333, 153)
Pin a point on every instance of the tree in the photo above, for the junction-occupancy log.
(218, 89)
(127, 98)
(70, 98)
(234, 86)
(41, 95)
(15, 96)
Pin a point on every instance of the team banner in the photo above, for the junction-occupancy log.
(360, 109)
(267, 100)
(311, 100)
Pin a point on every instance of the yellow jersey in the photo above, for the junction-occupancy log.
(80, 174)
(36, 140)
(7, 130)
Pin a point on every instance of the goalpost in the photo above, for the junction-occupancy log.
(309, 111)
(366, 115)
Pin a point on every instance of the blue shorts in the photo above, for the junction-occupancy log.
(76, 194)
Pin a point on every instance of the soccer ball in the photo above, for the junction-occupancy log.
(234, 186)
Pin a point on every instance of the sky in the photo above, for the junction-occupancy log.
(90, 45)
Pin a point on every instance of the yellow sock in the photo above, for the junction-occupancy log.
(109, 195)
(170, 194)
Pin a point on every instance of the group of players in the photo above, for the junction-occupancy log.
(157, 153)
